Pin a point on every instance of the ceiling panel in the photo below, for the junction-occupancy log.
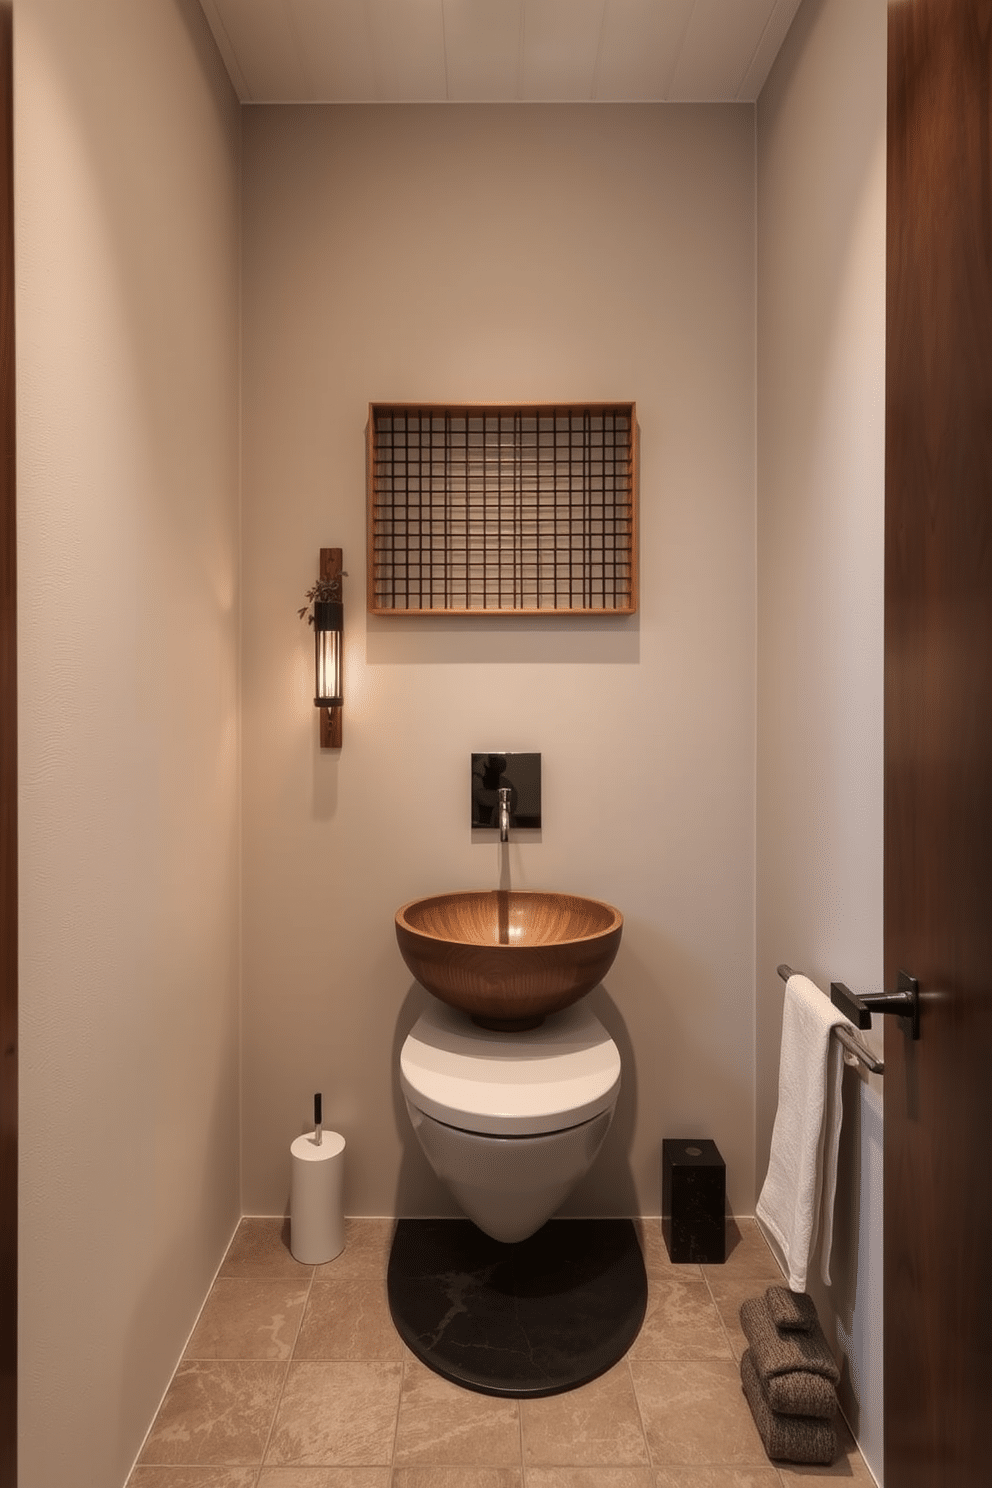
(409, 49)
(263, 43)
(337, 52)
(639, 49)
(769, 47)
(560, 46)
(482, 41)
(720, 42)
(226, 48)
(347, 51)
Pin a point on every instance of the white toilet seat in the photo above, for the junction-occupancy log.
(510, 1084)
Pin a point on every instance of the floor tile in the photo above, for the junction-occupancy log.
(694, 1413)
(216, 1412)
(590, 1477)
(747, 1254)
(597, 1424)
(681, 1322)
(261, 1248)
(656, 1258)
(717, 1477)
(193, 1477)
(457, 1477)
(366, 1251)
(728, 1293)
(441, 1424)
(324, 1477)
(249, 1318)
(348, 1319)
(336, 1415)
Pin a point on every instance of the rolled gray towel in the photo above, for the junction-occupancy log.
(797, 1370)
(806, 1439)
(791, 1312)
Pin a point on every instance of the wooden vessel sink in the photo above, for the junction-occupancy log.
(508, 957)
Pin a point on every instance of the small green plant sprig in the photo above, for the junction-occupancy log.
(323, 592)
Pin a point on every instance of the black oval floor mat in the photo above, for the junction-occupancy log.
(535, 1318)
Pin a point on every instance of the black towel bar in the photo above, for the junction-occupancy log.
(850, 1043)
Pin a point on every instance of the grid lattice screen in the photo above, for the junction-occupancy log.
(527, 510)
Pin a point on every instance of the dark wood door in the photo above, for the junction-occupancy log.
(938, 745)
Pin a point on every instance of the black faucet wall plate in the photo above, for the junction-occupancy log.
(521, 773)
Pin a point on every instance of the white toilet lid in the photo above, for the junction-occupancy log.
(510, 1084)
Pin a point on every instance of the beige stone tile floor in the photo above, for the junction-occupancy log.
(294, 1377)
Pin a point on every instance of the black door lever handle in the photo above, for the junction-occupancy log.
(904, 1002)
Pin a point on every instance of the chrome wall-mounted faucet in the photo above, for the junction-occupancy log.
(504, 813)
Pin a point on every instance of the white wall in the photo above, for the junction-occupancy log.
(127, 325)
(821, 377)
(473, 254)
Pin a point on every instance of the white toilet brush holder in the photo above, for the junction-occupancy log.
(316, 1218)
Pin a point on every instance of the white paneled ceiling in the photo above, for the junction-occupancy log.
(498, 51)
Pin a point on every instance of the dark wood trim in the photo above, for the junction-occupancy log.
(8, 780)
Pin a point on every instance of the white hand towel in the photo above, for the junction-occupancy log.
(797, 1199)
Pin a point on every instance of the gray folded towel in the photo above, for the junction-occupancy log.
(797, 1370)
(807, 1439)
(801, 1394)
(791, 1312)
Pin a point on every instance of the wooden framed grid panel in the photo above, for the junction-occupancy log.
(502, 509)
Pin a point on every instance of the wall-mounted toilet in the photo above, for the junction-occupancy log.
(510, 1121)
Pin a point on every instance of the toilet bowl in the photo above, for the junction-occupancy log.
(510, 1121)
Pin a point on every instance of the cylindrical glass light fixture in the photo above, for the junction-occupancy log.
(328, 627)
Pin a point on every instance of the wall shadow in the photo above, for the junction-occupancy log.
(419, 1192)
(590, 1197)
(552, 640)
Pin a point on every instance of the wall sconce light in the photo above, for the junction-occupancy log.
(327, 620)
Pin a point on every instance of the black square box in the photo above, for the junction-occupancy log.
(693, 1200)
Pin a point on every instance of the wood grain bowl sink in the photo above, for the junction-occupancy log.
(508, 957)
